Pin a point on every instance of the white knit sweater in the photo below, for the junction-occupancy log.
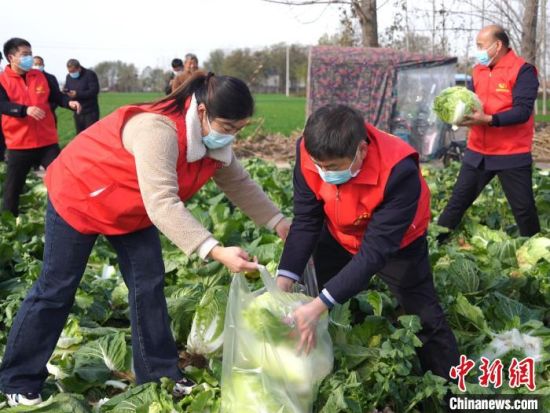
(152, 140)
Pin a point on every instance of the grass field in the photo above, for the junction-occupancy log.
(540, 117)
(276, 113)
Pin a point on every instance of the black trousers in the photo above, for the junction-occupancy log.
(20, 163)
(518, 188)
(408, 276)
(85, 120)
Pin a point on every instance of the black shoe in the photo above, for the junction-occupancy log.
(444, 238)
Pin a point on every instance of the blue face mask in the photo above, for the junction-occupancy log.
(216, 140)
(482, 56)
(74, 75)
(338, 177)
(25, 63)
(41, 68)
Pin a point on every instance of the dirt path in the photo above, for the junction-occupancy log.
(281, 150)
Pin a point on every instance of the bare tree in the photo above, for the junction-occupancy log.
(364, 10)
(529, 32)
(507, 13)
(519, 18)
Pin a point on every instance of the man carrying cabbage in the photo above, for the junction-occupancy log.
(362, 207)
(501, 133)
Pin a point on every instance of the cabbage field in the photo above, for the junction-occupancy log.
(493, 285)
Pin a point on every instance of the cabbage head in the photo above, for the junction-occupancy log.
(454, 103)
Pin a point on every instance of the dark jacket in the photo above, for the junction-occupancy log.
(168, 87)
(384, 233)
(87, 89)
(54, 85)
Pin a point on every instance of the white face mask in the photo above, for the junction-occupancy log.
(338, 177)
(482, 56)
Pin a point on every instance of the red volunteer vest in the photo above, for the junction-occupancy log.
(494, 88)
(26, 132)
(93, 183)
(349, 207)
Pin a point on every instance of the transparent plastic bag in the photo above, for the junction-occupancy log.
(262, 371)
(310, 279)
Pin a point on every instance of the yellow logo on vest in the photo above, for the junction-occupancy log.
(361, 218)
(502, 87)
(40, 89)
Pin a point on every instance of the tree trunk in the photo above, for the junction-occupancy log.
(366, 13)
(529, 32)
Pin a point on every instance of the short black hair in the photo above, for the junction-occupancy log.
(13, 45)
(334, 131)
(191, 56)
(1, 57)
(39, 57)
(177, 63)
(73, 63)
(500, 34)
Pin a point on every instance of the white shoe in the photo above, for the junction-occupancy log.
(183, 387)
(27, 399)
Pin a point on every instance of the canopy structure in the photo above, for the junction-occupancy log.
(394, 90)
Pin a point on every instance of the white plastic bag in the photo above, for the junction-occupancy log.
(262, 371)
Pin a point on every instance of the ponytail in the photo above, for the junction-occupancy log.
(224, 96)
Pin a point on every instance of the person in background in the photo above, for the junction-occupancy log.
(177, 68)
(190, 66)
(362, 207)
(82, 84)
(38, 64)
(127, 177)
(27, 118)
(501, 134)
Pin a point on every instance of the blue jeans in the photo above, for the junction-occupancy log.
(44, 311)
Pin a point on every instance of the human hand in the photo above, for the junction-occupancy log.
(306, 318)
(284, 283)
(476, 118)
(74, 105)
(36, 113)
(283, 228)
(234, 258)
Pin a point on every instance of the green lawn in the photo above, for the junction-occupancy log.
(274, 113)
(280, 114)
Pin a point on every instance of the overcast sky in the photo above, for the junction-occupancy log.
(153, 32)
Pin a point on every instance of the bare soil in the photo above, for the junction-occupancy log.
(281, 149)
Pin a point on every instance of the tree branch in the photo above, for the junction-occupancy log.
(307, 2)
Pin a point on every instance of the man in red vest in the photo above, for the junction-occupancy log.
(501, 135)
(361, 207)
(27, 120)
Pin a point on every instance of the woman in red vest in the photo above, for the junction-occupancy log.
(124, 177)
(361, 207)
